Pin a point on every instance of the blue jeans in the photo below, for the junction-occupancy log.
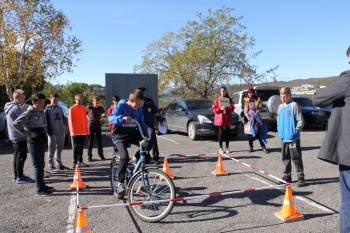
(37, 152)
(344, 212)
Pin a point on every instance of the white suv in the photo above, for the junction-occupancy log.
(264, 93)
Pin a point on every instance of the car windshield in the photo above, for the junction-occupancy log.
(304, 102)
(264, 95)
(199, 105)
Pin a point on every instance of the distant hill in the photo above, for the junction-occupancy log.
(317, 82)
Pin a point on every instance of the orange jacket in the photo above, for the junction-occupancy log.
(77, 120)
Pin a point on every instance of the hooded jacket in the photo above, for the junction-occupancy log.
(56, 121)
(13, 111)
(123, 131)
(33, 124)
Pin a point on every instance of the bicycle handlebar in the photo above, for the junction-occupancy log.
(141, 132)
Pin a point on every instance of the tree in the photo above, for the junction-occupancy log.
(205, 54)
(34, 42)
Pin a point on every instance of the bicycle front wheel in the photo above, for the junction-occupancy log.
(156, 186)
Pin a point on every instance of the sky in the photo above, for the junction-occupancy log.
(305, 38)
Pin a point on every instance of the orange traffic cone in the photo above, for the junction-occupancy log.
(77, 178)
(288, 212)
(82, 225)
(166, 169)
(220, 170)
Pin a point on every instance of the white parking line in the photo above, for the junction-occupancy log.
(71, 213)
(300, 198)
(169, 140)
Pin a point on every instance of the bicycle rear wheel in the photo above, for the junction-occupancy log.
(114, 174)
(157, 186)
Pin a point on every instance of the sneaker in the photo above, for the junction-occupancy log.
(250, 149)
(301, 182)
(43, 193)
(287, 179)
(227, 150)
(23, 179)
(121, 190)
(81, 164)
(102, 157)
(265, 151)
(221, 151)
(62, 167)
(14, 178)
(53, 169)
(47, 174)
(89, 158)
(48, 188)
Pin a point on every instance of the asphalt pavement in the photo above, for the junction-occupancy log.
(253, 211)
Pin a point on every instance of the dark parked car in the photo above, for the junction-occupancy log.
(195, 117)
(3, 124)
(313, 116)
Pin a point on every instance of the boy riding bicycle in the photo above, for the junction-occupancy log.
(126, 132)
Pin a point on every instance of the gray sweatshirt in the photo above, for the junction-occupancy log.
(33, 124)
(13, 111)
(56, 120)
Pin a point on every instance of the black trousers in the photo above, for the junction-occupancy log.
(124, 154)
(19, 157)
(91, 139)
(78, 147)
(155, 149)
(224, 132)
(252, 139)
(291, 151)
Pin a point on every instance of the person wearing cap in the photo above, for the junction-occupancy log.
(252, 106)
(151, 111)
(335, 147)
(115, 101)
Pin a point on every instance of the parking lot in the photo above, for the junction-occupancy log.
(245, 212)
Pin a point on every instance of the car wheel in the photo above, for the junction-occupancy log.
(192, 131)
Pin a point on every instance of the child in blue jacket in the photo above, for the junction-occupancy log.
(126, 132)
(289, 123)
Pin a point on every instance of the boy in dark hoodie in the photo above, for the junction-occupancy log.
(33, 124)
(19, 141)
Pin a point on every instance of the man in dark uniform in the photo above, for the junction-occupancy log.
(150, 110)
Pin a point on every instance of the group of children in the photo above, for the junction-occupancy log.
(36, 127)
(289, 123)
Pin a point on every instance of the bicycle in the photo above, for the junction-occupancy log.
(145, 184)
